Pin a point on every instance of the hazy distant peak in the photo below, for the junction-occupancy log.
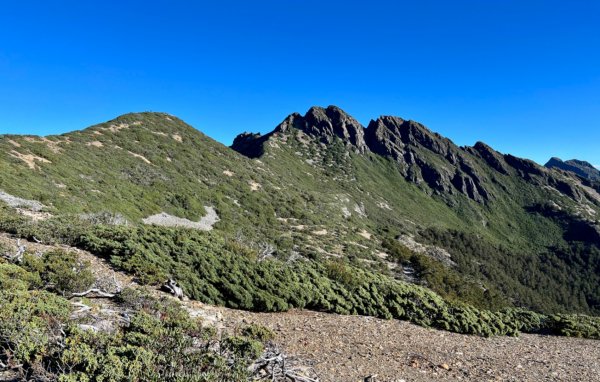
(579, 167)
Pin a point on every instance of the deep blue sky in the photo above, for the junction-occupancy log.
(522, 76)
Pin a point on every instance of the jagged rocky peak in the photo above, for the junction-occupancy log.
(294, 120)
(328, 123)
(581, 163)
(384, 137)
(526, 168)
(323, 124)
(540, 175)
(554, 161)
(387, 134)
(582, 168)
(245, 138)
(422, 156)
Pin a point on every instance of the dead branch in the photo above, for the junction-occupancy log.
(172, 287)
(299, 378)
(96, 293)
(278, 367)
(88, 327)
(265, 250)
(82, 307)
(18, 256)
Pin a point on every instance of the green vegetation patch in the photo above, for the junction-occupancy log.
(211, 273)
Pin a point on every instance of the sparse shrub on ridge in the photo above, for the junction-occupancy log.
(258, 332)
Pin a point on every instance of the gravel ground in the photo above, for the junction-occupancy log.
(350, 348)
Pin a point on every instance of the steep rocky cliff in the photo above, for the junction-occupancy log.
(423, 157)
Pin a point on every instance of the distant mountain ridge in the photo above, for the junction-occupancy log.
(323, 188)
(579, 167)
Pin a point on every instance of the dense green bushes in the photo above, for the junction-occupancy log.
(30, 324)
(213, 270)
(162, 343)
(564, 278)
(13, 277)
(61, 271)
(57, 271)
(39, 340)
(444, 280)
(210, 272)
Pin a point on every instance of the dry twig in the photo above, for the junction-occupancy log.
(96, 293)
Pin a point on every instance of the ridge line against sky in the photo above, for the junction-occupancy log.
(523, 77)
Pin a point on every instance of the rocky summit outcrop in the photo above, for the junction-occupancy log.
(323, 124)
(423, 157)
(331, 122)
(249, 144)
(582, 168)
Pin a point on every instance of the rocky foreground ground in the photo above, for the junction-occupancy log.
(350, 348)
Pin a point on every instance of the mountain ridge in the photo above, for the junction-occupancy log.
(321, 187)
(395, 137)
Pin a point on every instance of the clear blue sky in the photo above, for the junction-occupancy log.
(522, 76)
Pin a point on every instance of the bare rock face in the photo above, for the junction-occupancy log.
(525, 168)
(565, 183)
(424, 156)
(384, 137)
(493, 158)
(436, 178)
(325, 124)
(294, 120)
(249, 144)
(467, 186)
(389, 136)
(566, 188)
